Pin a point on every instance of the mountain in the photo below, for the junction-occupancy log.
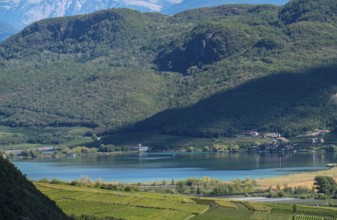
(192, 4)
(308, 10)
(20, 13)
(202, 72)
(289, 102)
(96, 68)
(19, 199)
(23, 12)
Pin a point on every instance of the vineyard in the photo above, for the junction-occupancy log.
(127, 205)
(235, 210)
(101, 203)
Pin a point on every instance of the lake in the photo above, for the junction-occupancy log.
(149, 167)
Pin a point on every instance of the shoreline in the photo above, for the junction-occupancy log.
(303, 178)
(173, 152)
(265, 180)
(295, 180)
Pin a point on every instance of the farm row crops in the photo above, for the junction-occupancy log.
(218, 213)
(259, 207)
(314, 211)
(253, 206)
(224, 214)
(242, 206)
(303, 217)
(305, 210)
(259, 215)
(168, 204)
(88, 207)
(226, 204)
(205, 201)
(76, 200)
(283, 209)
(135, 206)
(257, 211)
(278, 216)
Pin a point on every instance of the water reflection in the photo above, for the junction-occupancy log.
(148, 166)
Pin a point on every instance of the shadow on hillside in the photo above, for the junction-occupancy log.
(286, 102)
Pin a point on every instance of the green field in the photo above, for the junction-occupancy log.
(275, 212)
(131, 205)
(23, 138)
(76, 201)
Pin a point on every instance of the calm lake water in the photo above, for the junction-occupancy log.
(148, 167)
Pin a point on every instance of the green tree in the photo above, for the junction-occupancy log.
(326, 185)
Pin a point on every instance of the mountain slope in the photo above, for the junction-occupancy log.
(19, 199)
(20, 13)
(95, 67)
(117, 67)
(309, 10)
(205, 44)
(288, 102)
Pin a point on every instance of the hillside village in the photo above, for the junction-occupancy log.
(306, 141)
(250, 140)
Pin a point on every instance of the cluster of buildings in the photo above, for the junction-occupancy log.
(281, 143)
(139, 148)
(316, 133)
(316, 136)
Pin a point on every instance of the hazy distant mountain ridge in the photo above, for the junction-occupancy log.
(20, 13)
(191, 4)
(24, 12)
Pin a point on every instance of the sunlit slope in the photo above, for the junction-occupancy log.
(203, 72)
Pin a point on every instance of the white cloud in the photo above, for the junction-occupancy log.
(175, 1)
(150, 5)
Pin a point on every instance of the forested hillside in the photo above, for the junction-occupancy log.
(19, 199)
(289, 102)
(203, 72)
(91, 70)
(20, 13)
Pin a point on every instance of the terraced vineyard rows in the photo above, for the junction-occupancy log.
(305, 212)
(279, 216)
(75, 200)
(224, 214)
(136, 206)
(259, 215)
(257, 211)
(314, 211)
(303, 217)
(240, 214)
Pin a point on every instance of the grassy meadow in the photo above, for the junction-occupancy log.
(302, 179)
(17, 138)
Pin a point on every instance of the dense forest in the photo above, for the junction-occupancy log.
(19, 199)
(204, 72)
